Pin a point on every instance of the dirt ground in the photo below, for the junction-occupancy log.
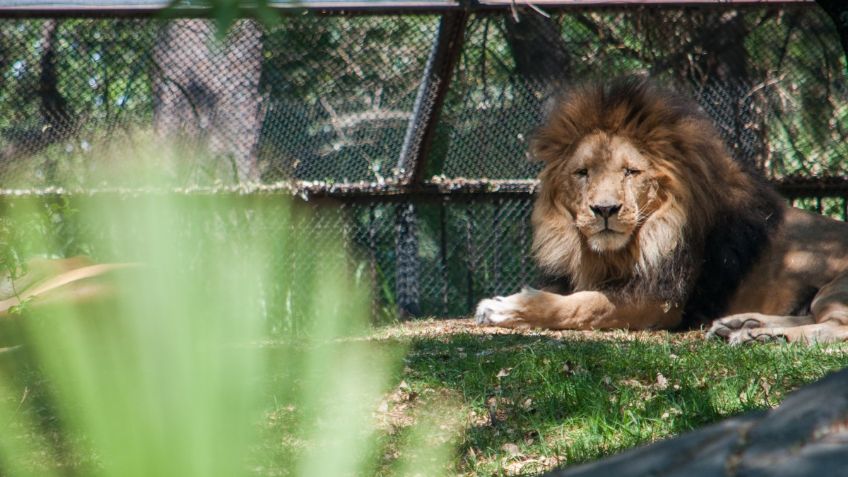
(440, 327)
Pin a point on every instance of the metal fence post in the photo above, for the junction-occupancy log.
(407, 265)
(416, 144)
(430, 97)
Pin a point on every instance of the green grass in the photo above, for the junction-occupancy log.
(523, 403)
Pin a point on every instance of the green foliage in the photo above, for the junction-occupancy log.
(23, 225)
(338, 89)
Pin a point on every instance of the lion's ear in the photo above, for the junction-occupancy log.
(546, 149)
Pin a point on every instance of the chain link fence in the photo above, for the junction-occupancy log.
(409, 130)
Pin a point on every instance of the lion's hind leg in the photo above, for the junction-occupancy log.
(827, 323)
(828, 332)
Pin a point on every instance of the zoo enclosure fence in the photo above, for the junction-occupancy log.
(407, 121)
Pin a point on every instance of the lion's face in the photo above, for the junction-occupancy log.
(609, 188)
(639, 196)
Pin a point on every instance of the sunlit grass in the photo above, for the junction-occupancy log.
(536, 400)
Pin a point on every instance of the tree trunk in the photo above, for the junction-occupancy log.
(838, 12)
(57, 120)
(723, 81)
(206, 92)
(541, 56)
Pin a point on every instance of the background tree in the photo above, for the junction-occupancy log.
(838, 12)
(542, 57)
(718, 68)
(57, 120)
(207, 92)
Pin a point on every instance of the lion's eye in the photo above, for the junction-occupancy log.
(581, 172)
(631, 172)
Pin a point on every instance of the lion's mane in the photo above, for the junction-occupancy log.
(716, 214)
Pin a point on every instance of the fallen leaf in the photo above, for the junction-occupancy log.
(511, 449)
(504, 372)
(662, 382)
(765, 385)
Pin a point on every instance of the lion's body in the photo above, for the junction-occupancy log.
(805, 254)
(644, 220)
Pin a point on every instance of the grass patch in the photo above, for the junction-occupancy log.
(473, 401)
(529, 401)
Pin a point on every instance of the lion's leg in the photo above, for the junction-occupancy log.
(829, 332)
(828, 322)
(577, 311)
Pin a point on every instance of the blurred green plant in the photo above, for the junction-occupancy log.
(174, 371)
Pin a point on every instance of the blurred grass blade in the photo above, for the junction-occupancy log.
(162, 379)
(159, 368)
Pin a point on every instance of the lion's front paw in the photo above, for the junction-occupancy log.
(724, 328)
(499, 311)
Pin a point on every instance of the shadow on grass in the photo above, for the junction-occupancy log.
(583, 399)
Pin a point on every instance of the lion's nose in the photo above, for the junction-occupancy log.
(605, 211)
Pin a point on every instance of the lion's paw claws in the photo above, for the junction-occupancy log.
(724, 328)
(751, 336)
(495, 311)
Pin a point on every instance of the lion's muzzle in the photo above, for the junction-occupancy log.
(605, 211)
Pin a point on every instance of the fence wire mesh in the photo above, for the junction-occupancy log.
(772, 79)
(315, 98)
(334, 101)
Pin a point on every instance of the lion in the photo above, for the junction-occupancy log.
(644, 221)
